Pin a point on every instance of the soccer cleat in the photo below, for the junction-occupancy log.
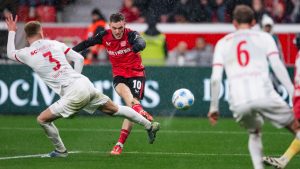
(147, 115)
(152, 132)
(56, 153)
(275, 162)
(117, 150)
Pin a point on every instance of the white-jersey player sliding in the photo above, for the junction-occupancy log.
(49, 59)
(244, 55)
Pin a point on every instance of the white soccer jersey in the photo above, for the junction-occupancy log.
(244, 55)
(48, 58)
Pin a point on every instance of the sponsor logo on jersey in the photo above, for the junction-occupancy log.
(119, 52)
(33, 52)
(108, 43)
(43, 48)
(123, 43)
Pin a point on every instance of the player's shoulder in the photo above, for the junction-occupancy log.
(225, 39)
(52, 41)
(108, 35)
(128, 30)
(24, 51)
(55, 43)
(266, 35)
(259, 33)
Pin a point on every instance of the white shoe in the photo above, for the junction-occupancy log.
(275, 162)
(56, 153)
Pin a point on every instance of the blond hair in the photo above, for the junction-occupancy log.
(32, 28)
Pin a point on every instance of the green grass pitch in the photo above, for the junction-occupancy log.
(182, 143)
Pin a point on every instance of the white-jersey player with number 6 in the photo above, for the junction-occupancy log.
(49, 59)
(244, 55)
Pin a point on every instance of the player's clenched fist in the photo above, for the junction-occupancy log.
(213, 117)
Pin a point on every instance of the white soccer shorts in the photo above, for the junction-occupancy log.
(80, 95)
(251, 115)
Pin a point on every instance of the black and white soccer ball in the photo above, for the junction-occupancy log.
(183, 99)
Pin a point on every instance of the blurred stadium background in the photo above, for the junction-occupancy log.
(189, 30)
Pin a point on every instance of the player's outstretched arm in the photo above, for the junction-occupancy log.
(90, 42)
(281, 72)
(137, 42)
(215, 84)
(12, 28)
(277, 65)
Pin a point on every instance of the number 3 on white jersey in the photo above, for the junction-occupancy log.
(52, 60)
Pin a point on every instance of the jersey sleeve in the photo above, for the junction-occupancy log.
(73, 56)
(216, 77)
(97, 39)
(20, 56)
(218, 59)
(272, 48)
(17, 55)
(64, 48)
(12, 53)
(277, 65)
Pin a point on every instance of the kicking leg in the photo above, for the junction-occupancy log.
(45, 119)
(125, 111)
(129, 113)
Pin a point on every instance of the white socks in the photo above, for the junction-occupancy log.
(129, 113)
(53, 134)
(298, 135)
(255, 149)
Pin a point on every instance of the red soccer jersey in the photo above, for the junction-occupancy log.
(296, 99)
(124, 61)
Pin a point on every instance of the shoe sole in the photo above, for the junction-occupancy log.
(154, 130)
(114, 153)
(59, 156)
(268, 163)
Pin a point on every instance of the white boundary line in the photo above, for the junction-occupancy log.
(140, 131)
(136, 152)
(133, 152)
(32, 156)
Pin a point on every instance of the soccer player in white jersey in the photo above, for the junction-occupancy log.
(49, 59)
(244, 55)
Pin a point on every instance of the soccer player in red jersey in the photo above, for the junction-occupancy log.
(294, 148)
(123, 46)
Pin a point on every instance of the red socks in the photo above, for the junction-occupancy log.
(124, 133)
(138, 108)
(123, 136)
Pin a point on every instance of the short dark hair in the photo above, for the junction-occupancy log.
(243, 14)
(32, 28)
(116, 17)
